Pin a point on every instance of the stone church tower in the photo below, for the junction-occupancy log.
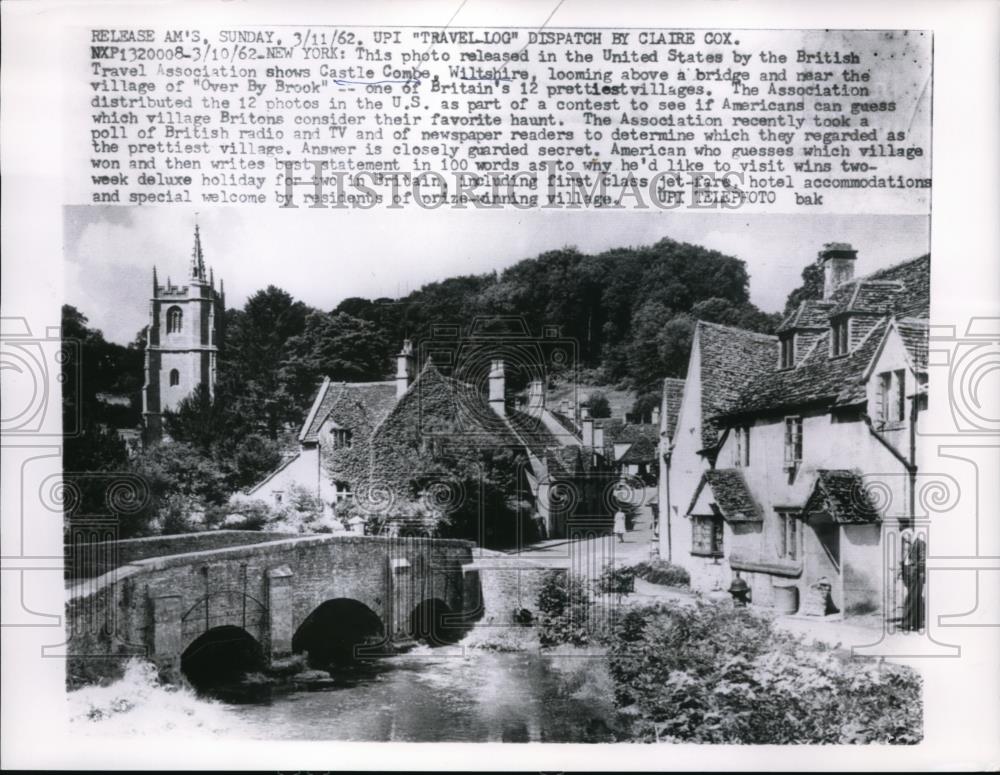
(182, 341)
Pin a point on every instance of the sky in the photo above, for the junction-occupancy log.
(324, 256)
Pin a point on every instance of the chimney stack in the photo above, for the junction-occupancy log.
(564, 407)
(654, 416)
(404, 369)
(497, 388)
(838, 266)
(599, 437)
(588, 432)
(584, 412)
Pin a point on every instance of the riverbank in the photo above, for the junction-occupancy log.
(463, 693)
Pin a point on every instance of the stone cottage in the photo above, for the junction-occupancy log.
(808, 455)
(383, 445)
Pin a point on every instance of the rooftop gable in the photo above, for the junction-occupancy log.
(730, 359)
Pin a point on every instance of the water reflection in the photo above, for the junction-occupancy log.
(436, 695)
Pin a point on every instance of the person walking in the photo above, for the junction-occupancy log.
(619, 528)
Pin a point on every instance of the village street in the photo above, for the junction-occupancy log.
(588, 556)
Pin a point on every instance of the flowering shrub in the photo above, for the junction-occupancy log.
(715, 674)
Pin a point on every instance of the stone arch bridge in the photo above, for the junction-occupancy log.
(278, 596)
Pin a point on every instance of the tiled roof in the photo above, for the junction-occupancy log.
(902, 290)
(730, 359)
(567, 422)
(643, 450)
(537, 437)
(841, 495)
(568, 460)
(818, 377)
(811, 313)
(345, 400)
(457, 412)
(673, 392)
(915, 335)
(730, 493)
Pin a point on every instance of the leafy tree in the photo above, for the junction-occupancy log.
(811, 288)
(644, 404)
(334, 345)
(598, 404)
(254, 350)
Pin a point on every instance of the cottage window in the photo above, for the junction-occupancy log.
(175, 319)
(793, 441)
(175, 378)
(840, 341)
(341, 438)
(788, 535)
(788, 351)
(892, 396)
(343, 491)
(741, 446)
(706, 536)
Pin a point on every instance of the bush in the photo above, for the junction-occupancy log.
(616, 581)
(715, 674)
(564, 608)
(662, 572)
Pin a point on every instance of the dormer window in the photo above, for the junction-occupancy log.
(839, 338)
(788, 351)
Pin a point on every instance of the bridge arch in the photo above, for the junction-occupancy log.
(221, 655)
(433, 621)
(334, 631)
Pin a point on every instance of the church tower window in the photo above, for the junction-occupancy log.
(174, 320)
(175, 378)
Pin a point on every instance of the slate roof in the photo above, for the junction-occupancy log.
(819, 379)
(841, 495)
(567, 422)
(915, 335)
(730, 359)
(670, 408)
(343, 401)
(643, 450)
(537, 437)
(902, 290)
(456, 411)
(568, 460)
(731, 495)
(811, 313)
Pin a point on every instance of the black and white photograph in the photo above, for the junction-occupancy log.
(380, 391)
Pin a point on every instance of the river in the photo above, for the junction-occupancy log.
(441, 695)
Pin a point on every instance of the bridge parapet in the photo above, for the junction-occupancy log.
(159, 606)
